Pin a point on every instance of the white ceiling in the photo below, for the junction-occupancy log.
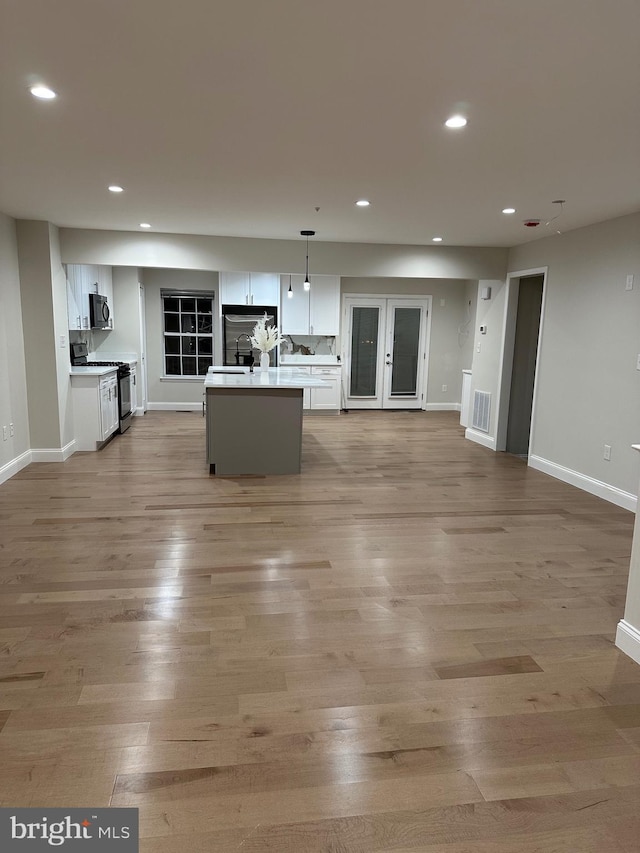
(241, 117)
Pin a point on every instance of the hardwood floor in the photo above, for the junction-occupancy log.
(407, 648)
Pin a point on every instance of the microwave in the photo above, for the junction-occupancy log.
(99, 314)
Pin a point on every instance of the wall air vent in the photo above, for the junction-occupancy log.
(481, 410)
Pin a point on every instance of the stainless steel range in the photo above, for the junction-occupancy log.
(79, 358)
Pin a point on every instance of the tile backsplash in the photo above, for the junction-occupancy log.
(309, 345)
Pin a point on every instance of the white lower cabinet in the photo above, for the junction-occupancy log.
(95, 408)
(134, 388)
(108, 406)
(326, 398)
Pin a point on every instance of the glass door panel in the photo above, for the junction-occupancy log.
(385, 352)
(406, 350)
(405, 353)
(363, 374)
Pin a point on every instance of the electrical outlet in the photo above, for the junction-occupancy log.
(444, 387)
(629, 283)
(478, 347)
(638, 362)
(11, 430)
(5, 433)
(442, 303)
(63, 341)
(607, 453)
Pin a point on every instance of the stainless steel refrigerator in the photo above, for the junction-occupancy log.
(238, 322)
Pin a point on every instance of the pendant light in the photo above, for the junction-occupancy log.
(290, 291)
(307, 283)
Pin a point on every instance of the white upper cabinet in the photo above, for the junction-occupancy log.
(74, 312)
(244, 288)
(324, 305)
(264, 288)
(294, 310)
(83, 279)
(310, 312)
(105, 288)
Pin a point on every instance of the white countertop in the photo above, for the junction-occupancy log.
(129, 358)
(274, 377)
(297, 359)
(91, 371)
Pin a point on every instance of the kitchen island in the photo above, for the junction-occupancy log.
(254, 420)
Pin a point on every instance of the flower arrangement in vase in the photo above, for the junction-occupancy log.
(265, 338)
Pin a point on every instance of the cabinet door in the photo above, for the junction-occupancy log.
(134, 388)
(109, 416)
(324, 305)
(105, 287)
(89, 279)
(79, 299)
(105, 410)
(234, 288)
(294, 311)
(264, 288)
(328, 396)
(74, 317)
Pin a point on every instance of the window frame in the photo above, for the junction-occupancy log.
(180, 334)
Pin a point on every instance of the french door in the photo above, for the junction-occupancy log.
(385, 352)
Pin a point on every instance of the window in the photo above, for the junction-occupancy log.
(188, 333)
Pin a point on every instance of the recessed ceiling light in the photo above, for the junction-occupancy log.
(145, 225)
(363, 203)
(114, 188)
(456, 121)
(436, 239)
(43, 92)
(508, 210)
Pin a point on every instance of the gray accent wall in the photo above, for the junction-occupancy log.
(40, 326)
(13, 376)
(450, 347)
(588, 391)
(167, 391)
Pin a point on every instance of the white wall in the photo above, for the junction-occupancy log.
(14, 452)
(184, 251)
(588, 392)
(449, 349)
(485, 366)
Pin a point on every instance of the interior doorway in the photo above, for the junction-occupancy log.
(385, 352)
(142, 372)
(524, 310)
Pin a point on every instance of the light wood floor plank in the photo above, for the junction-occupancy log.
(408, 648)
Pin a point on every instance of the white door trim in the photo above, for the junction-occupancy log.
(384, 299)
(506, 354)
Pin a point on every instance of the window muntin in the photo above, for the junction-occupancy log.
(187, 333)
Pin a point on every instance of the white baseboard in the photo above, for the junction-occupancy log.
(442, 407)
(174, 407)
(628, 640)
(480, 438)
(11, 468)
(138, 412)
(54, 454)
(581, 481)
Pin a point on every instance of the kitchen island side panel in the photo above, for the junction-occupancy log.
(254, 430)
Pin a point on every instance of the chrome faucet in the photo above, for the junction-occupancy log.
(248, 337)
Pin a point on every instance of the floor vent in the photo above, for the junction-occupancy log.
(481, 410)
